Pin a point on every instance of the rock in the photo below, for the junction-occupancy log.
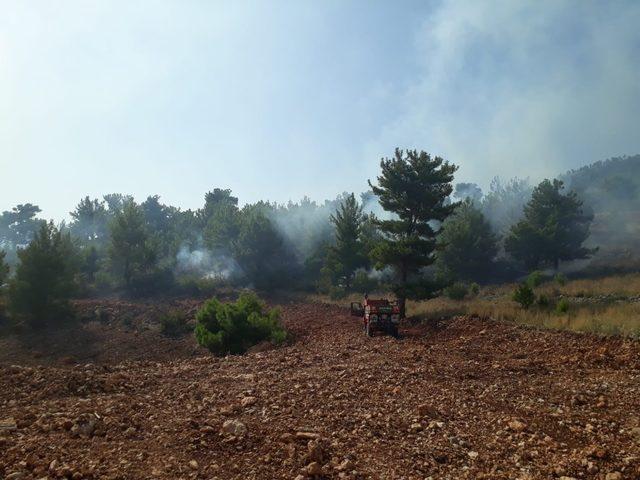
(316, 452)
(415, 427)
(84, 425)
(613, 476)
(314, 469)
(300, 477)
(234, 427)
(16, 476)
(8, 424)
(472, 455)
(635, 432)
(286, 437)
(193, 465)
(307, 435)
(596, 452)
(346, 465)
(248, 401)
(517, 426)
(426, 410)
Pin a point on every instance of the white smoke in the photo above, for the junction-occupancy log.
(207, 264)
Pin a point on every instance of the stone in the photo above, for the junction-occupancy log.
(613, 476)
(426, 410)
(415, 427)
(248, 401)
(307, 435)
(15, 476)
(314, 469)
(234, 427)
(84, 425)
(315, 452)
(193, 465)
(517, 426)
(8, 424)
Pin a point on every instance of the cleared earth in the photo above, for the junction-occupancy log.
(463, 398)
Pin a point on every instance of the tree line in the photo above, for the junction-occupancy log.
(414, 233)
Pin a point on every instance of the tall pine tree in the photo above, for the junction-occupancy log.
(554, 228)
(414, 187)
(347, 254)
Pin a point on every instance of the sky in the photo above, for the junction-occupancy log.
(281, 99)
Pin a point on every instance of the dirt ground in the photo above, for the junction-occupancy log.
(464, 398)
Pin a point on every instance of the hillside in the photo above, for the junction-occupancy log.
(611, 190)
(465, 398)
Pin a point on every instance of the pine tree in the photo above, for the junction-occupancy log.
(44, 279)
(415, 187)
(347, 254)
(467, 244)
(554, 228)
(131, 253)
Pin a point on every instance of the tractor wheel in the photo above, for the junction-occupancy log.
(368, 330)
(394, 331)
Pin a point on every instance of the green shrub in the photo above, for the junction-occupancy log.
(560, 279)
(174, 324)
(4, 270)
(234, 327)
(337, 293)
(543, 300)
(535, 279)
(457, 291)
(474, 289)
(524, 295)
(196, 286)
(104, 281)
(562, 306)
(101, 315)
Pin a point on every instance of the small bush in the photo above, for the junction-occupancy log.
(234, 327)
(560, 279)
(174, 324)
(101, 315)
(535, 279)
(524, 295)
(196, 286)
(543, 300)
(474, 289)
(337, 293)
(457, 291)
(562, 306)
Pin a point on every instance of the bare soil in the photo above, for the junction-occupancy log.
(463, 398)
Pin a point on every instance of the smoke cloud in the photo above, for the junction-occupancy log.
(522, 88)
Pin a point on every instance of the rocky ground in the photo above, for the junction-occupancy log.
(465, 398)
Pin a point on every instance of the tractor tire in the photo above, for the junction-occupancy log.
(368, 330)
(393, 330)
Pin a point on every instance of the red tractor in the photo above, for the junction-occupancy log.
(378, 315)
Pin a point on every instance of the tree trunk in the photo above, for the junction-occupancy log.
(402, 306)
(402, 299)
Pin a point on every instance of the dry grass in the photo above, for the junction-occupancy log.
(613, 318)
(609, 316)
(627, 285)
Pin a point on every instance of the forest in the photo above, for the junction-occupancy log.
(416, 232)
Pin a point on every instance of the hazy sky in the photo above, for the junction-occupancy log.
(281, 99)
